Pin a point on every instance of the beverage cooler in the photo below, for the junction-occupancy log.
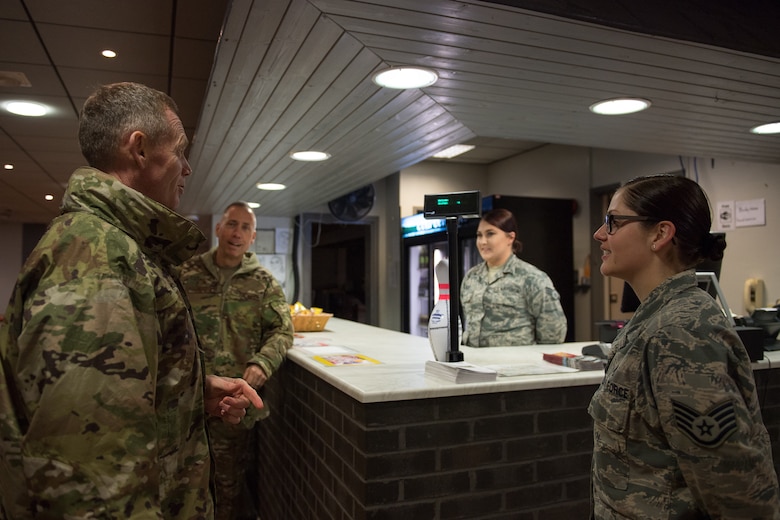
(545, 227)
(425, 245)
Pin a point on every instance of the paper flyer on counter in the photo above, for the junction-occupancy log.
(335, 360)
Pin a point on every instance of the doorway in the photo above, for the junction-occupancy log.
(341, 267)
(606, 291)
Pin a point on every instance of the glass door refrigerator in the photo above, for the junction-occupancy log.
(424, 245)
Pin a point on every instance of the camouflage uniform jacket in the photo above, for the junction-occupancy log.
(242, 320)
(101, 382)
(519, 307)
(677, 425)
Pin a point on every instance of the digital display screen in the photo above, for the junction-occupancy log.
(459, 204)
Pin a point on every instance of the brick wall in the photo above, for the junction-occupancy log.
(519, 455)
(515, 455)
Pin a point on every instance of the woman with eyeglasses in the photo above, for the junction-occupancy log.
(507, 301)
(677, 426)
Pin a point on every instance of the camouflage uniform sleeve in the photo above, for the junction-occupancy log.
(544, 303)
(11, 486)
(83, 376)
(711, 418)
(277, 329)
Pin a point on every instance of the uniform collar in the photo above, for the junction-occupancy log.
(158, 230)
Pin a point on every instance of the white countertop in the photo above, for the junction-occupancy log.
(399, 373)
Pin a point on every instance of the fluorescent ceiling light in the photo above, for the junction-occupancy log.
(8, 166)
(453, 151)
(309, 155)
(619, 106)
(270, 186)
(769, 128)
(253, 205)
(405, 77)
(26, 108)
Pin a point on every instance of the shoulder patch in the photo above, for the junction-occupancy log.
(708, 429)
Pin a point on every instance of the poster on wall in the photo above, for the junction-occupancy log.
(265, 241)
(724, 215)
(750, 213)
(274, 264)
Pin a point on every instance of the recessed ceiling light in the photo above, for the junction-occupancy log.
(48, 196)
(619, 106)
(309, 155)
(769, 128)
(270, 186)
(405, 77)
(253, 205)
(454, 151)
(108, 53)
(26, 108)
(8, 166)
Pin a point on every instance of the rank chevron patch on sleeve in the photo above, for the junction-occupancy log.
(707, 429)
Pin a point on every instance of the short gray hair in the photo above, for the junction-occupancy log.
(115, 110)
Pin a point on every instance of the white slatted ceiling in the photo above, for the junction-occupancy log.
(505, 73)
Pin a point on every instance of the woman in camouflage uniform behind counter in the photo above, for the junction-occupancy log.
(507, 301)
(677, 427)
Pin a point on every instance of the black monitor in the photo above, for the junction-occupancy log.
(629, 301)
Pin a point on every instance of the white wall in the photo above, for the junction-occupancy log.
(616, 166)
(751, 251)
(438, 177)
(388, 299)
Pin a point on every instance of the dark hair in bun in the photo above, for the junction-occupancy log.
(683, 202)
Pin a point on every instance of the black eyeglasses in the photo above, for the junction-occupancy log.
(609, 221)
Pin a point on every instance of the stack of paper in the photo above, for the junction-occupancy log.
(459, 372)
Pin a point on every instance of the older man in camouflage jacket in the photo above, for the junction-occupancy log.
(103, 397)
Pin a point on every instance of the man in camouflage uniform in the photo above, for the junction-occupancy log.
(245, 327)
(514, 305)
(103, 398)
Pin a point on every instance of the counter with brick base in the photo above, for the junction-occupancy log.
(385, 441)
